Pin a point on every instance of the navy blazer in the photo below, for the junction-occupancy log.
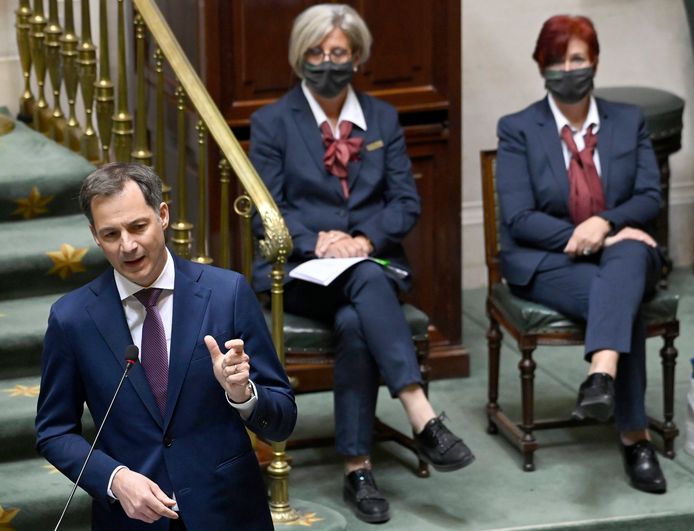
(287, 151)
(200, 450)
(533, 187)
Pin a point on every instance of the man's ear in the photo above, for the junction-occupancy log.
(164, 215)
(93, 231)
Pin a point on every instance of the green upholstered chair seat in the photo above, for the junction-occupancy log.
(662, 109)
(302, 334)
(533, 318)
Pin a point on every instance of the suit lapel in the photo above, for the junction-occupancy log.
(190, 305)
(604, 146)
(552, 145)
(306, 123)
(107, 313)
(354, 167)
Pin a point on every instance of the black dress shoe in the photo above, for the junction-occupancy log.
(595, 398)
(642, 467)
(363, 497)
(440, 448)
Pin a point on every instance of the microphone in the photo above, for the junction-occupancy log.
(131, 357)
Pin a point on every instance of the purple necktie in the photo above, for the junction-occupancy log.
(154, 356)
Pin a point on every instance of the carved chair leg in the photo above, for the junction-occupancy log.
(527, 374)
(668, 355)
(494, 337)
(422, 349)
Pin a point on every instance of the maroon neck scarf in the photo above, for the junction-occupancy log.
(339, 153)
(586, 196)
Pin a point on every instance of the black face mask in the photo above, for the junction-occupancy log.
(328, 79)
(569, 86)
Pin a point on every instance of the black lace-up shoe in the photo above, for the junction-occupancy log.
(440, 448)
(595, 398)
(642, 467)
(363, 497)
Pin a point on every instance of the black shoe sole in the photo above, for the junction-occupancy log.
(599, 408)
(450, 467)
(365, 517)
(650, 489)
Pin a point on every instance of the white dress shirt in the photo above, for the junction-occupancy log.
(351, 110)
(593, 118)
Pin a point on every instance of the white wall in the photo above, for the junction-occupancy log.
(643, 42)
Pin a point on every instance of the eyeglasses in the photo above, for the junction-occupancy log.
(316, 55)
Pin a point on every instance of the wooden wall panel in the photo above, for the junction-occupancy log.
(415, 65)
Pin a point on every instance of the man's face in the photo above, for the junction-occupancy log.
(131, 233)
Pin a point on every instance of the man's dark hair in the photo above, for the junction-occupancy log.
(110, 179)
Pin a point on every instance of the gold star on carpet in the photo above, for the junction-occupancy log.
(67, 261)
(51, 469)
(32, 206)
(6, 516)
(23, 390)
(306, 520)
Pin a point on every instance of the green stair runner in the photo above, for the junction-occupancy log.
(45, 251)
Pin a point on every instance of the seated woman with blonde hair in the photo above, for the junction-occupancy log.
(335, 162)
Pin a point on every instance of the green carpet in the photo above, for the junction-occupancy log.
(46, 251)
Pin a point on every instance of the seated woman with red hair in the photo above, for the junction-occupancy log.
(578, 187)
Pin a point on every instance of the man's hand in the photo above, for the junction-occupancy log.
(588, 237)
(231, 370)
(140, 497)
(630, 233)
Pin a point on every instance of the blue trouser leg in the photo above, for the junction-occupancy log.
(372, 337)
(355, 385)
(606, 292)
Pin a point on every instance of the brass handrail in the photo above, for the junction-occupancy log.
(277, 244)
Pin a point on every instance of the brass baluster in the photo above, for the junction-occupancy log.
(53, 32)
(86, 62)
(141, 152)
(182, 237)
(104, 87)
(201, 237)
(159, 161)
(278, 469)
(224, 240)
(122, 120)
(26, 100)
(243, 206)
(68, 50)
(42, 114)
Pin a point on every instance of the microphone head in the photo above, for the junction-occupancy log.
(131, 354)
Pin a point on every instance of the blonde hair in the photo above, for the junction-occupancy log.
(315, 23)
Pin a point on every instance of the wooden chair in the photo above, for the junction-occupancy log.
(309, 362)
(533, 325)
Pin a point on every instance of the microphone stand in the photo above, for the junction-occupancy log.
(131, 354)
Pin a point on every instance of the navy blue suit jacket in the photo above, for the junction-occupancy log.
(200, 449)
(287, 151)
(533, 186)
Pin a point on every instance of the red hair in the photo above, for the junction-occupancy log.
(555, 35)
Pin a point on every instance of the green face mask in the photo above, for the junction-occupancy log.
(328, 79)
(569, 86)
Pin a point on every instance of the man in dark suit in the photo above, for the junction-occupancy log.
(578, 187)
(175, 444)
